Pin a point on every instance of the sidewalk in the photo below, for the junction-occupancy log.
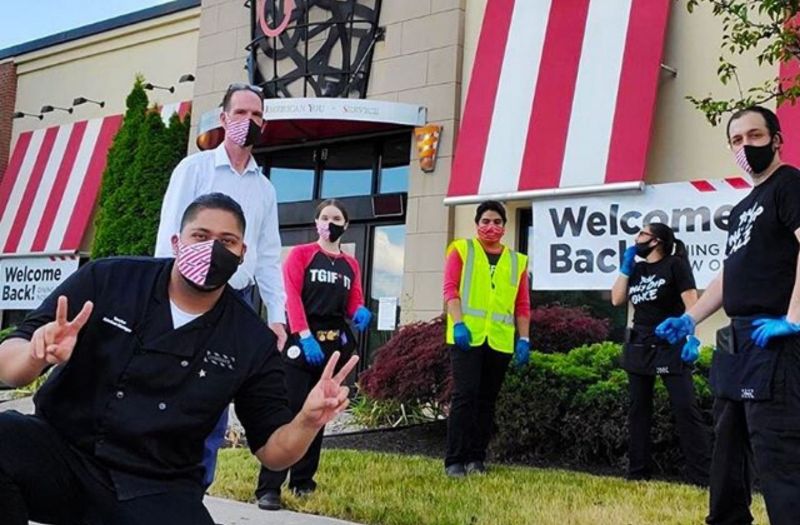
(227, 512)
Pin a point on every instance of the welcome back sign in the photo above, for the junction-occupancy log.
(577, 243)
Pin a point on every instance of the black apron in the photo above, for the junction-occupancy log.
(646, 354)
(333, 335)
(740, 369)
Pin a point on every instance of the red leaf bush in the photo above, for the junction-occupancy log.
(559, 329)
(412, 367)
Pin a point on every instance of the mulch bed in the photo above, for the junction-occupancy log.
(430, 439)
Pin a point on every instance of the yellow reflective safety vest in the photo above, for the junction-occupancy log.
(487, 301)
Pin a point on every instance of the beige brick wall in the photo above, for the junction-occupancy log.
(104, 66)
(420, 62)
(221, 55)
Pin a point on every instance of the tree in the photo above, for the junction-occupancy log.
(768, 28)
(120, 159)
(140, 162)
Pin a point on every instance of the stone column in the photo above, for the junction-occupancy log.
(419, 62)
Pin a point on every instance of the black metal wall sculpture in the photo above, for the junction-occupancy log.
(313, 48)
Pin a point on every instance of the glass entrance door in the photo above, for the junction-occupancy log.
(385, 284)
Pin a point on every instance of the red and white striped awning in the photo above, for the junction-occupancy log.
(181, 108)
(561, 98)
(789, 115)
(50, 187)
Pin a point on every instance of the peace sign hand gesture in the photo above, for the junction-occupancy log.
(55, 341)
(328, 398)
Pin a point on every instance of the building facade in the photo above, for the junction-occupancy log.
(348, 83)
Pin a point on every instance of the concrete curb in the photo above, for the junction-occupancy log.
(227, 512)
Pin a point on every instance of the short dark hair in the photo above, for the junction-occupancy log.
(490, 206)
(332, 202)
(771, 119)
(214, 201)
(233, 88)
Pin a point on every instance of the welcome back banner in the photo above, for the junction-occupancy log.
(577, 243)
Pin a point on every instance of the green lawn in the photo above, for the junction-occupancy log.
(389, 489)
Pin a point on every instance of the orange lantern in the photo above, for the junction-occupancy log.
(210, 133)
(428, 145)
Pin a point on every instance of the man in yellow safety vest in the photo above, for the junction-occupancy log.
(486, 289)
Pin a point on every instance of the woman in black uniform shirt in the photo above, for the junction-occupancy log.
(323, 294)
(659, 287)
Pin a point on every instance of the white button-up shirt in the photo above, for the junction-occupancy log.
(211, 171)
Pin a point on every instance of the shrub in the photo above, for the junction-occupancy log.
(140, 161)
(573, 408)
(32, 387)
(5, 331)
(556, 328)
(413, 367)
(375, 413)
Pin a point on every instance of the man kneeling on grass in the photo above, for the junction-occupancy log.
(147, 353)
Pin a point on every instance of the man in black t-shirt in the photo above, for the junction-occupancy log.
(755, 373)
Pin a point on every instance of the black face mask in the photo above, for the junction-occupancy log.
(759, 157)
(222, 266)
(643, 249)
(335, 231)
(253, 134)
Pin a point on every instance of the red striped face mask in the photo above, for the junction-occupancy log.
(206, 266)
(491, 233)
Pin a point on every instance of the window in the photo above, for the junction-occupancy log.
(292, 172)
(395, 159)
(386, 277)
(342, 169)
(348, 169)
(292, 185)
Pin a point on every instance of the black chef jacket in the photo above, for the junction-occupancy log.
(138, 398)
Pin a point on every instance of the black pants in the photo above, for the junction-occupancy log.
(43, 479)
(693, 433)
(478, 374)
(764, 435)
(299, 383)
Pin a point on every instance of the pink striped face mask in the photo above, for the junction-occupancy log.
(243, 132)
(207, 265)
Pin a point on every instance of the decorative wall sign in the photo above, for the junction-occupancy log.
(313, 48)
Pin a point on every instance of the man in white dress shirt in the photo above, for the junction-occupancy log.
(232, 170)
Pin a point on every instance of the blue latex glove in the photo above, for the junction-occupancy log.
(462, 336)
(691, 349)
(522, 352)
(312, 351)
(362, 318)
(628, 261)
(676, 329)
(767, 328)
